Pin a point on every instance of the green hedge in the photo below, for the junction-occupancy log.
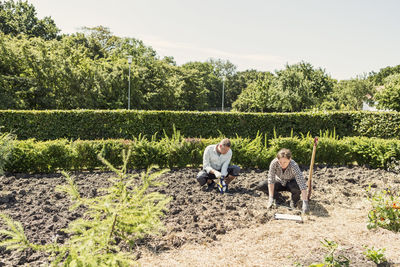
(30, 156)
(116, 124)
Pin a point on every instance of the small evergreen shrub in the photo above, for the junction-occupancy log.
(125, 212)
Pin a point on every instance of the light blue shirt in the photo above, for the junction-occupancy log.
(212, 160)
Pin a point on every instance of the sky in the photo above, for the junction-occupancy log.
(346, 38)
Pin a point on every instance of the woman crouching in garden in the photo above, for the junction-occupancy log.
(285, 175)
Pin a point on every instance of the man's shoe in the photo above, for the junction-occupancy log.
(292, 204)
(225, 189)
(211, 186)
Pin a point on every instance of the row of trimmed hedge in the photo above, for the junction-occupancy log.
(107, 124)
(30, 156)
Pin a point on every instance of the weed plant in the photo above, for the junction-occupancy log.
(375, 255)
(331, 259)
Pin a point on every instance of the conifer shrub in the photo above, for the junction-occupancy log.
(127, 210)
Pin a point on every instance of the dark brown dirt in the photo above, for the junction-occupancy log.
(195, 216)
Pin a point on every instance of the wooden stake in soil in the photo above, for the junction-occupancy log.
(309, 185)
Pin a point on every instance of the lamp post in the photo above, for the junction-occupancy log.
(223, 89)
(129, 82)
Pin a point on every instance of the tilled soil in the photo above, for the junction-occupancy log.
(195, 216)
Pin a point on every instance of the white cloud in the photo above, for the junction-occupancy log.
(185, 52)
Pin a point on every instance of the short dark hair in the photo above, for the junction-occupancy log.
(284, 153)
(226, 142)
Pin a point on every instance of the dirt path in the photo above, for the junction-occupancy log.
(206, 228)
(283, 243)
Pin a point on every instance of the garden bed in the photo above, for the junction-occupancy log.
(209, 225)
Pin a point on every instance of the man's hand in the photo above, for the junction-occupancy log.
(217, 174)
(271, 202)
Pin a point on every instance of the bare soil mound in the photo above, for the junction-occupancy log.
(197, 220)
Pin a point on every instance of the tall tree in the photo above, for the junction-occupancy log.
(350, 94)
(302, 87)
(192, 93)
(223, 71)
(389, 96)
(213, 72)
(295, 88)
(257, 96)
(209, 80)
(20, 18)
(378, 78)
(240, 81)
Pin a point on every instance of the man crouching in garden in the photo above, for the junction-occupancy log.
(216, 160)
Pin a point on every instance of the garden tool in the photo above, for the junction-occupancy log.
(221, 185)
(309, 185)
(290, 217)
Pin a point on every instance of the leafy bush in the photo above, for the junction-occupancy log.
(127, 211)
(252, 152)
(196, 147)
(6, 146)
(333, 150)
(301, 148)
(31, 156)
(145, 153)
(373, 152)
(389, 96)
(85, 156)
(25, 157)
(175, 150)
(385, 212)
(116, 124)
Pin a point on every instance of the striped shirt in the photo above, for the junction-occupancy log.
(276, 174)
